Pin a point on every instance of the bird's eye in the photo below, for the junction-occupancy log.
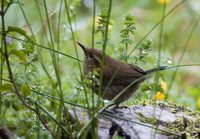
(91, 55)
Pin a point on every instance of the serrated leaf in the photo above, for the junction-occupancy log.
(25, 89)
(6, 87)
(19, 53)
(129, 20)
(104, 12)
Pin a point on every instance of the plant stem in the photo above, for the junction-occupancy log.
(6, 55)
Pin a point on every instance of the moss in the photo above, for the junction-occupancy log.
(182, 125)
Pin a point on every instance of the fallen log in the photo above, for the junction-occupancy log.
(160, 120)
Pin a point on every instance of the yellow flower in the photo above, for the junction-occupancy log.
(98, 22)
(163, 85)
(163, 1)
(159, 96)
(198, 103)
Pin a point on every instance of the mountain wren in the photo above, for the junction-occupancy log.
(117, 77)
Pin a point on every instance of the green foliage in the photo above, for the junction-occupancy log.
(129, 30)
(7, 87)
(44, 66)
(143, 51)
(20, 31)
(19, 53)
(92, 78)
(28, 54)
(25, 89)
(151, 87)
(127, 34)
(16, 29)
(5, 2)
(102, 23)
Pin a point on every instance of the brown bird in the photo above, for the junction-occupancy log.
(118, 78)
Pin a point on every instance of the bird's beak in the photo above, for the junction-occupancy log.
(83, 47)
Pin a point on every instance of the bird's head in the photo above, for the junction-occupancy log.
(92, 57)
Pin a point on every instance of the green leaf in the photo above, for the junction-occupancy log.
(19, 53)
(7, 103)
(16, 29)
(104, 12)
(129, 20)
(25, 89)
(6, 87)
(130, 17)
(4, 2)
(21, 32)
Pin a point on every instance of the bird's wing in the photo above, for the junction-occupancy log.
(124, 75)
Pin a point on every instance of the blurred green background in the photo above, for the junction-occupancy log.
(173, 36)
(176, 30)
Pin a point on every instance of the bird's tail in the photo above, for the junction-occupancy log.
(156, 69)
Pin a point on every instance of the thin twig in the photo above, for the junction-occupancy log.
(43, 122)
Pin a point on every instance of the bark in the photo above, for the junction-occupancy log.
(158, 120)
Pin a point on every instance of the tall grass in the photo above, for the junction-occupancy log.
(45, 99)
